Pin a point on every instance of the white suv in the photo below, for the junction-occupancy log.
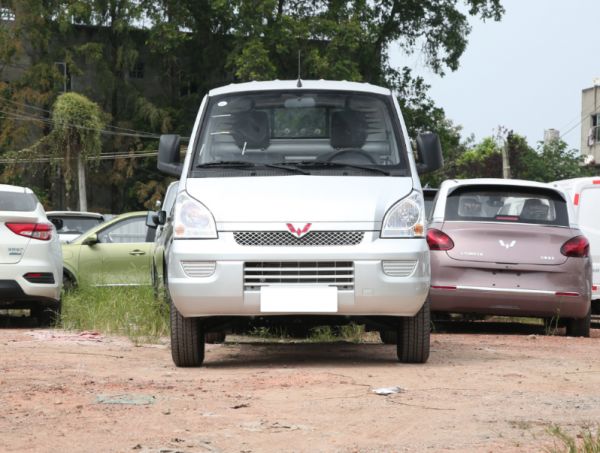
(31, 267)
(299, 202)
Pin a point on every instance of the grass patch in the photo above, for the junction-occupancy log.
(348, 332)
(585, 442)
(128, 310)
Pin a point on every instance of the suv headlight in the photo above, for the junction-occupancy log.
(192, 219)
(405, 219)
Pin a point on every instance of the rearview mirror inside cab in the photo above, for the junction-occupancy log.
(429, 150)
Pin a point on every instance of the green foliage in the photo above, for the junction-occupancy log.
(586, 442)
(131, 311)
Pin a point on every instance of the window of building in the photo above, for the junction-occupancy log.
(7, 14)
(137, 72)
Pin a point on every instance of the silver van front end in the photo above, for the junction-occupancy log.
(298, 202)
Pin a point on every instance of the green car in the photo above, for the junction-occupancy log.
(114, 253)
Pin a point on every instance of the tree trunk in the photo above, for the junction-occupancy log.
(81, 182)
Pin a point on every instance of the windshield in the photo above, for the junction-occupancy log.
(316, 132)
(507, 204)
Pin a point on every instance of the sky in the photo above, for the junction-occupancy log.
(525, 73)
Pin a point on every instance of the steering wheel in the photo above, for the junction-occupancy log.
(352, 151)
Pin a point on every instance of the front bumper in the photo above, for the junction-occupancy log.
(374, 292)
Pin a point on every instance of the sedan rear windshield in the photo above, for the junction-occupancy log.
(507, 204)
(17, 201)
(300, 132)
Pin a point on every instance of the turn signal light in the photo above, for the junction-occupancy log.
(577, 247)
(41, 231)
(438, 240)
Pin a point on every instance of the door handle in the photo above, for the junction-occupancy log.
(137, 252)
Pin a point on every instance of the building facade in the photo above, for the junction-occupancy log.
(590, 124)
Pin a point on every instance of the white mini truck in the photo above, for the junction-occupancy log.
(299, 203)
(584, 195)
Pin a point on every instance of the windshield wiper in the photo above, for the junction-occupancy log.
(325, 164)
(249, 164)
(227, 163)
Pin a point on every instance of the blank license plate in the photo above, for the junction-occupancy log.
(298, 299)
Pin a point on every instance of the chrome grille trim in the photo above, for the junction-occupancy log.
(196, 269)
(309, 273)
(285, 238)
(399, 268)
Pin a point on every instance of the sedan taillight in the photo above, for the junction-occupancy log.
(438, 240)
(577, 247)
(41, 231)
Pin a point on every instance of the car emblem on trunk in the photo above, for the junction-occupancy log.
(507, 245)
(297, 231)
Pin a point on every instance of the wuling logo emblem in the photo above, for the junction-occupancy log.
(298, 231)
(507, 245)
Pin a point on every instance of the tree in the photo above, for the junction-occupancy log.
(76, 135)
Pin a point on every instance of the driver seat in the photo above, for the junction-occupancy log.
(348, 129)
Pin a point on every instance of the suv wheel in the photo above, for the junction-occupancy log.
(413, 336)
(579, 327)
(187, 339)
(47, 316)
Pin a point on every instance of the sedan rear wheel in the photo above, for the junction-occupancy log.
(47, 315)
(413, 337)
(579, 327)
(187, 339)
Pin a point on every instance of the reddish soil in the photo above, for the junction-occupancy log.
(71, 392)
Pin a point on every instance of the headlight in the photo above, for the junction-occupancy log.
(405, 218)
(192, 219)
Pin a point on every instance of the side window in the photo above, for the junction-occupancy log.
(127, 231)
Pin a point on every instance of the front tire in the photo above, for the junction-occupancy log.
(414, 336)
(187, 339)
(580, 327)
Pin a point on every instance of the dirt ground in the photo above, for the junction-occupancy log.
(482, 390)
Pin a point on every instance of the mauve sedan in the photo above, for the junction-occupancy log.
(508, 248)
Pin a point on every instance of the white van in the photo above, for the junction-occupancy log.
(298, 202)
(584, 194)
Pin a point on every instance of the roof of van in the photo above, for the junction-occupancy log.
(330, 85)
(497, 182)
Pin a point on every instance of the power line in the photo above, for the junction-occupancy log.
(21, 104)
(583, 118)
(26, 117)
(112, 156)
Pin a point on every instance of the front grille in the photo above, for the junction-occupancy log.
(309, 273)
(285, 238)
(199, 268)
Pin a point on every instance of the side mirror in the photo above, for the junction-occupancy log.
(168, 155)
(429, 149)
(152, 219)
(92, 239)
(162, 217)
(58, 223)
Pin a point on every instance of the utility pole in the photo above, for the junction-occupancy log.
(503, 132)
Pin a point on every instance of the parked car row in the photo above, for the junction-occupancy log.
(300, 201)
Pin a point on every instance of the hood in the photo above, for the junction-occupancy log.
(299, 198)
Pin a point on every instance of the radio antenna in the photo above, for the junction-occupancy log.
(299, 84)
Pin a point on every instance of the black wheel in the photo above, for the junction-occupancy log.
(413, 337)
(187, 339)
(69, 283)
(215, 337)
(579, 327)
(388, 336)
(47, 315)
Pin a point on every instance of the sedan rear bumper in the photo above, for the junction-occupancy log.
(509, 302)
